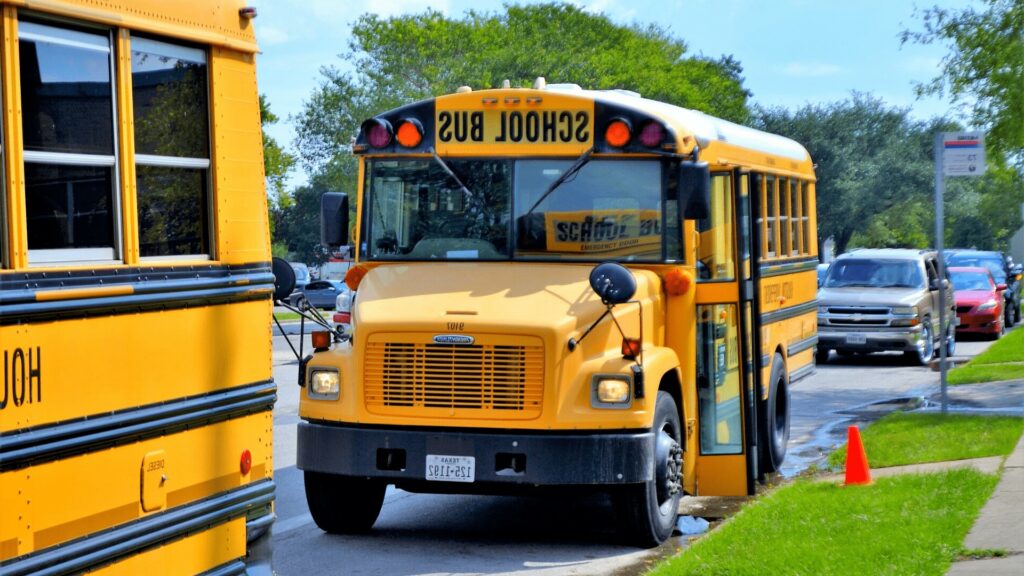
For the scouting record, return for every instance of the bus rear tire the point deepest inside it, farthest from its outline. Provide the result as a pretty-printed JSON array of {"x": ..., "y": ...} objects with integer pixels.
[
  {"x": 648, "y": 511},
  {"x": 343, "y": 504},
  {"x": 774, "y": 419}
]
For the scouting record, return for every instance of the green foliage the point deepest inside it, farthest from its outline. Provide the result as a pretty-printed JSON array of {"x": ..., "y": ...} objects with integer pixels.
[
  {"x": 870, "y": 160},
  {"x": 411, "y": 57},
  {"x": 904, "y": 438},
  {"x": 913, "y": 524},
  {"x": 276, "y": 162},
  {"x": 984, "y": 70}
]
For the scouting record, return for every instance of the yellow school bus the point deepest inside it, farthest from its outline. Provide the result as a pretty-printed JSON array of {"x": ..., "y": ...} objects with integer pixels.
[
  {"x": 559, "y": 287},
  {"x": 135, "y": 283}
]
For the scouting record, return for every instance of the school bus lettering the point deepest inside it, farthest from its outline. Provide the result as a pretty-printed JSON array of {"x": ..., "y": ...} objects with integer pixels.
[
  {"x": 23, "y": 380},
  {"x": 778, "y": 291},
  {"x": 514, "y": 126},
  {"x": 612, "y": 230}
]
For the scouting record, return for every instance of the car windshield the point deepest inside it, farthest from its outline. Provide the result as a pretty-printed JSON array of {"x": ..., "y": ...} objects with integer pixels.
[
  {"x": 993, "y": 262},
  {"x": 970, "y": 280},
  {"x": 415, "y": 210},
  {"x": 874, "y": 273}
]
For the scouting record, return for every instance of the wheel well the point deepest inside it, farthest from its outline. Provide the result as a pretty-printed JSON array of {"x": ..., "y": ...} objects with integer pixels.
[{"x": 670, "y": 383}]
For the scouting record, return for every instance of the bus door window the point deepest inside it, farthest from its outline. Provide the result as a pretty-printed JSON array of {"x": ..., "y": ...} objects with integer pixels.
[
  {"x": 67, "y": 97},
  {"x": 718, "y": 380},
  {"x": 172, "y": 148},
  {"x": 716, "y": 253}
]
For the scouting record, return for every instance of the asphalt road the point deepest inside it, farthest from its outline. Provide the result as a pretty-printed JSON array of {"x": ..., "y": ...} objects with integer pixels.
[{"x": 435, "y": 535}]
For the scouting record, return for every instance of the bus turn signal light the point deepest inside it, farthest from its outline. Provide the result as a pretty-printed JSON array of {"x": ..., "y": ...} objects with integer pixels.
[
  {"x": 321, "y": 340},
  {"x": 618, "y": 133},
  {"x": 410, "y": 133},
  {"x": 354, "y": 276},
  {"x": 630, "y": 348}
]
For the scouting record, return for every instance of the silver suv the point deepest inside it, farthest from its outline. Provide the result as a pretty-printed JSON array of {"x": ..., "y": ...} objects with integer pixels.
[{"x": 885, "y": 299}]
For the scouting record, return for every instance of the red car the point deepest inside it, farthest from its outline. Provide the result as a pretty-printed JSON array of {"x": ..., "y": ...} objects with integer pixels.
[{"x": 979, "y": 301}]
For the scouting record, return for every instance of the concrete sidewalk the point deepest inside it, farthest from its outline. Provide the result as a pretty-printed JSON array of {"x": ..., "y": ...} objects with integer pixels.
[{"x": 1000, "y": 524}]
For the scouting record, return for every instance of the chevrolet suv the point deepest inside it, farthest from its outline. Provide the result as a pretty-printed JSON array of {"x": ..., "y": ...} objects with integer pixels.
[{"x": 882, "y": 300}]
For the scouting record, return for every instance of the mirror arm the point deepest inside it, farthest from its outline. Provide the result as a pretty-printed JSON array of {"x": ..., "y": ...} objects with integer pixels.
[{"x": 573, "y": 342}]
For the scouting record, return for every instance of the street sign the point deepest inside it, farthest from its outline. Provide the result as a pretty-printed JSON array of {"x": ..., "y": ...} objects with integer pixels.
[{"x": 963, "y": 153}]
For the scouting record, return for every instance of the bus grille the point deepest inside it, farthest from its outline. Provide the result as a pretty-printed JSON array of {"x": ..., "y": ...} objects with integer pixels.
[{"x": 454, "y": 380}]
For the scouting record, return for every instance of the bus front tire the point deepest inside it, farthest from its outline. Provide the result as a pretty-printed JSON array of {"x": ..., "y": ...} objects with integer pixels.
[
  {"x": 343, "y": 504},
  {"x": 774, "y": 420},
  {"x": 648, "y": 511}
]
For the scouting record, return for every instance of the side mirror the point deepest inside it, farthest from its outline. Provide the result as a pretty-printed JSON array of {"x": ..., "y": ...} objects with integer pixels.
[
  {"x": 613, "y": 283},
  {"x": 333, "y": 219},
  {"x": 284, "y": 278},
  {"x": 1000, "y": 287},
  {"x": 695, "y": 189}
]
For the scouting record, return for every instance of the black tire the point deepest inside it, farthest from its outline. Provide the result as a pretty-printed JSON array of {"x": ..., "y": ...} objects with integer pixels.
[
  {"x": 926, "y": 350},
  {"x": 1008, "y": 315},
  {"x": 343, "y": 504},
  {"x": 821, "y": 356},
  {"x": 648, "y": 511},
  {"x": 773, "y": 419},
  {"x": 1016, "y": 313}
]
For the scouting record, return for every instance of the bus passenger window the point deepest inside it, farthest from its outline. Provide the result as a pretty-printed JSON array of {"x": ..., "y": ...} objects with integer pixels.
[
  {"x": 795, "y": 218},
  {"x": 68, "y": 131},
  {"x": 785, "y": 241},
  {"x": 769, "y": 201},
  {"x": 172, "y": 148},
  {"x": 716, "y": 256}
]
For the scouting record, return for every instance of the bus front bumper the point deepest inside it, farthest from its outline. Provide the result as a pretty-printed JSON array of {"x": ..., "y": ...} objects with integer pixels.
[{"x": 399, "y": 456}]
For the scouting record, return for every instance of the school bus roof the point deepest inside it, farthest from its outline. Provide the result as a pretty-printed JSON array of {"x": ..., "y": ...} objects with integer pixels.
[{"x": 705, "y": 128}]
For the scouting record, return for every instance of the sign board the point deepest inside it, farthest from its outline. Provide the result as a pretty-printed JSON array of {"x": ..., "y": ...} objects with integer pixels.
[{"x": 963, "y": 153}]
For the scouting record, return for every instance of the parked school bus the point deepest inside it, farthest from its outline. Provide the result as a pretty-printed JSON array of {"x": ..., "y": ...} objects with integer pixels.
[
  {"x": 563, "y": 288},
  {"x": 135, "y": 282}
]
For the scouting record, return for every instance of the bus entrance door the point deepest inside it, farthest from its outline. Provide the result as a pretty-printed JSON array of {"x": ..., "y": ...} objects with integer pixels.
[{"x": 723, "y": 344}]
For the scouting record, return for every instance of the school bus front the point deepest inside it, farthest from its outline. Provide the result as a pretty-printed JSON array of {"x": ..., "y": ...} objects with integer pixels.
[{"x": 492, "y": 351}]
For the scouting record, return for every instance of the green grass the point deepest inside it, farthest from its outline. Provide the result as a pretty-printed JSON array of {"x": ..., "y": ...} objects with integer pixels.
[
  {"x": 901, "y": 438},
  {"x": 1004, "y": 360},
  {"x": 911, "y": 524}
]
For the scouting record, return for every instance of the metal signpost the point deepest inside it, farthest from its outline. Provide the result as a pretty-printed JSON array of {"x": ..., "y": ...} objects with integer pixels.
[{"x": 956, "y": 154}]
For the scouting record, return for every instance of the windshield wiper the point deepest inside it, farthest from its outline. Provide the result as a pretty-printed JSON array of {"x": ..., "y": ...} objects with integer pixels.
[
  {"x": 576, "y": 166},
  {"x": 455, "y": 177}
]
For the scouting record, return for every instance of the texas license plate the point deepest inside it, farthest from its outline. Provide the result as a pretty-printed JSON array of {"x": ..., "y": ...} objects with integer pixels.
[
  {"x": 856, "y": 339},
  {"x": 451, "y": 468}
]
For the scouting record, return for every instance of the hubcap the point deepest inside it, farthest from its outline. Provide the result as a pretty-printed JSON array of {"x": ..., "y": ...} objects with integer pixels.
[
  {"x": 925, "y": 346},
  {"x": 669, "y": 466}
]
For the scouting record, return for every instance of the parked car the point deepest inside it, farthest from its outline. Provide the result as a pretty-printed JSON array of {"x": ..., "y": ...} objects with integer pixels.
[
  {"x": 979, "y": 302},
  {"x": 301, "y": 274},
  {"x": 319, "y": 294},
  {"x": 885, "y": 299},
  {"x": 1003, "y": 272},
  {"x": 822, "y": 271}
]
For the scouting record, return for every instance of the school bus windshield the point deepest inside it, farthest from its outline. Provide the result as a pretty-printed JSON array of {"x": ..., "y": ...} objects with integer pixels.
[{"x": 416, "y": 210}]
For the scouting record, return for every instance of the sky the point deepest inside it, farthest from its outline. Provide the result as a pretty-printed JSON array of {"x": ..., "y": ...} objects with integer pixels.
[{"x": 793, "y": 52}]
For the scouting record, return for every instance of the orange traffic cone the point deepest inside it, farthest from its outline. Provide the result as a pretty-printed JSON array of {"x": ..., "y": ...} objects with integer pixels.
[{"x": 857, "y": 470}]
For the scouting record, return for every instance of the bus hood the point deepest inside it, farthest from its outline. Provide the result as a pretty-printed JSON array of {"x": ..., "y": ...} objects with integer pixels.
[{"x": 501, "y": 298}]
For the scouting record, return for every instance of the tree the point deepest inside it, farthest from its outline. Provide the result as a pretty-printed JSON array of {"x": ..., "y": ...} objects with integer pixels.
[
  {"x": 407, "y": 58},
  {"x": 984, "y": 71},
  {"x": 276, "y": 162},
  {"x": 869, "y": 159}
]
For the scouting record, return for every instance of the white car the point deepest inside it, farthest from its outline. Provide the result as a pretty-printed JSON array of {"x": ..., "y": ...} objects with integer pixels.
[{"x": 343, "y": 310}]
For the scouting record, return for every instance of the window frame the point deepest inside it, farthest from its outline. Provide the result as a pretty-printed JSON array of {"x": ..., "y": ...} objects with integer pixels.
[
  {"x": 114, "y": 254},
  {"x": 182, "y": 51}
]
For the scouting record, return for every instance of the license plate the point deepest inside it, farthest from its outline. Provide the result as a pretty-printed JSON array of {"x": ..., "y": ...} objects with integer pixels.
[
  {"x": 856, "y": 339},
  {"x": 451, "y": 468}
]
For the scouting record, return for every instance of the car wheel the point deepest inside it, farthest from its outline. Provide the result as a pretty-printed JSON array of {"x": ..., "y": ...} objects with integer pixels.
[
  {"x": 1008, "y": 316},
  {"x": 821, "y": 356},
  {"x": 925, "y": 345},
  {"x": 649, "y": 510},
  {"x": 950, "y": 341},
  {"x": 773, "y": 419},
  {"x": 343, "y": 504},
  {"x": 1016, "y": 313}
]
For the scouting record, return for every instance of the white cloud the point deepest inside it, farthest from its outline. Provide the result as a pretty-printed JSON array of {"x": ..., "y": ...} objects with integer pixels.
[
  {"x": 810, "y": 69},
  {"x": 387, "y": 8},
  {"x": 271, "y": 35}
]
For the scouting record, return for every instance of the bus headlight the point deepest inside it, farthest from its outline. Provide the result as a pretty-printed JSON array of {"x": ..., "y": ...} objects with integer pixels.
[
  {"x": 611, "y": 391},
  {"x": 324, "y": 384}
]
